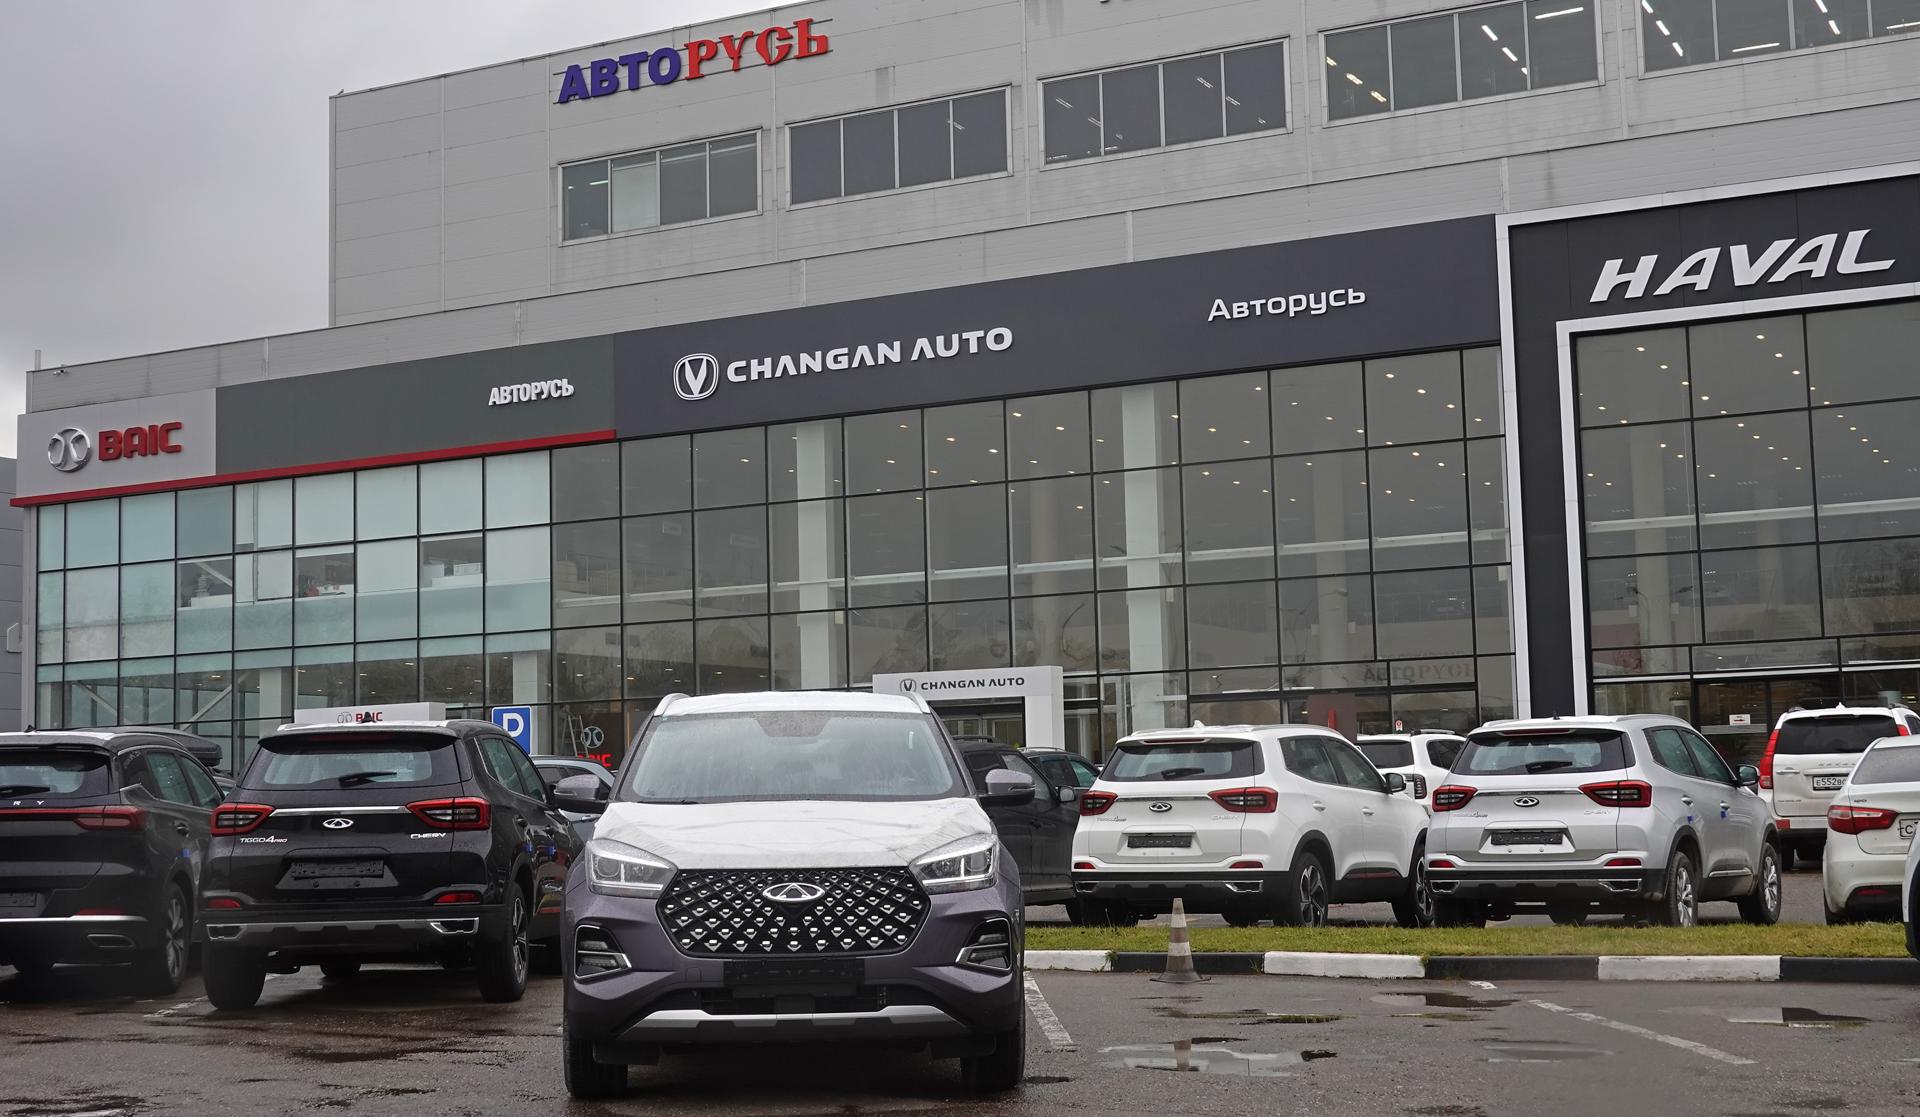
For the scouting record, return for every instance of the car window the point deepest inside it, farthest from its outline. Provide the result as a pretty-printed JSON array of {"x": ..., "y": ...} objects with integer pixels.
[
  {"x": 169, "y": 782},
  {"x": 552, "y": 774},
  {"x": 205, "y": 792},
  {"x": 1388, "y": 754},
  {"x": 1354, "y": 769},
  {"x": 524, "y": 776},
  {"x": 1913, "y": 725},
  {"x": 136, "y": 772},
  {"x": 1670, "y": 751},
  {"x": 1014, "y": 762},
  {"x": 1443, "y": 751},
  {"x": 1838, "y": 733},
  {"x": 1526, "y": 752},
  {"x": 1889, "y": 764},
  {"x": 357, "y": 759},
  {"x": 787, "y": 754},
  {"x": 55, "y": 773},
  {"x": 1183, "y": 760},
  {"x": 1708, "y": 759},
  {"x": 1307, "y": 758},
  {"x": 499, "y": 757},
  {"x": 1066, "y": 771}
]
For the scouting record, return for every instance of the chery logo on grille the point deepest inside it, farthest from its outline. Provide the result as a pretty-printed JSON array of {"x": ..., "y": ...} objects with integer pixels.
[{"x": 794, "y": 892}]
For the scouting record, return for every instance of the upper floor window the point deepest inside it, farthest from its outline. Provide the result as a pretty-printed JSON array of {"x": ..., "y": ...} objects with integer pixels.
[
  {"x": 1460, "y": 56},
  {"x": 1185, "y": 100},
  {"x": 665, "y": 186},
  {"x": 1689, "y": 32},
  {"x": 938, "y": 141}
]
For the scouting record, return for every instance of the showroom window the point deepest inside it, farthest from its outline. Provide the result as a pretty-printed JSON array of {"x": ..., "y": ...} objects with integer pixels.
[
  {"x": 1163, "y": 104},
  {"x": 1460, "y": 56},
  {"x": 665, "y": 186},
  {"x": 1675, "y": 33},
  {"x": 912, "y": 145}
]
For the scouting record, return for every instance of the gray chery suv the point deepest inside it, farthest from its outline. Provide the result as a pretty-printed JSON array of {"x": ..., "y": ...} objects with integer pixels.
[{"x": 794, "y": 867}]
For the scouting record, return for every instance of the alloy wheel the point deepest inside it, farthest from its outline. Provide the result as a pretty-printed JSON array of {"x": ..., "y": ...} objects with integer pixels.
[
  {"x": 176, "y": 931},
  {"x": 1686, "y": 907},
  {"x": 520, "y": 941},
  {"x": 1422, "y": 892},
  {"x": 1312, "y": 895},
  {"x": 1770, "y": 880}
]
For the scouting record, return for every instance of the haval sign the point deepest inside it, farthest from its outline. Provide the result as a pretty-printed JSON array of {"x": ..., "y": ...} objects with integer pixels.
[{"x": 1748, "y": 265}]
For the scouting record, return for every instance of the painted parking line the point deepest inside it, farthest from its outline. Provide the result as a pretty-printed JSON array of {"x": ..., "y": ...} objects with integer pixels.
[
  {"x": 1700, "y": 1049},
  {"x": 1056, "y": 1032},
  {"x": 1483, "y": 985}
]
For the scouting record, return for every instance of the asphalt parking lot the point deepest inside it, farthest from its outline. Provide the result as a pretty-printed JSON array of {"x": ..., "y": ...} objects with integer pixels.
[{"x": 407, "y": 1041}]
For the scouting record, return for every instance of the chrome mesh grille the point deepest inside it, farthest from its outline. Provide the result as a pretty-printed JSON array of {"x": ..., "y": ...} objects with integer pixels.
[{"x": 725, "y": 914}]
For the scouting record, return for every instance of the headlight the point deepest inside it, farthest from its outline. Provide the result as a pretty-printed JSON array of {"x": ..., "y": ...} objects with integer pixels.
[
  {"x": 616, "y": 869},
  {"x": 959, "y": 867}
]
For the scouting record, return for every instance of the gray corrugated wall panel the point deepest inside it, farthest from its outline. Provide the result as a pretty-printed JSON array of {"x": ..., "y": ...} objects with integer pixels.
[
  {"x": 386, "y": 252},
  {"x": 881, "y": 271},
  {"x": 391, "y": 140},
  {"x": 476, "y": 161},
  {"x": 499, "y": 277},
  {"x": 393, "y": 213},
  {"x": 435, "y": 335},
  {"x": 1090, "y": 242},
  {"x": 635, "y": 306},
  {"x": 708, "y": 246},
  {"x": 910, "y": 215},
  {"x": 514, "y": 116},
  {"x": 635, "y": 121},
  {"x": 526, "y": 78},
  {"x": 241, "y": 362},
  {"x": 386, "y": 314},
  {"x": 396, "y": 102},
  {"x": 417, "y": 286},
  {"x": 488, "y": 236},
  {"x": 503, "y": 194},
  {"x": 184, "y": 370},
  {"x": 365, "y": 181}
]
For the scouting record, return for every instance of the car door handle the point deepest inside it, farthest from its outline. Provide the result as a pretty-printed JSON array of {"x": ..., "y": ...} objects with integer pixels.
[
  {"x": 1724, "y": 805},
  {"x": 1687, "y": 799},
  {"x": 1318, "y": 805},
  {"x": 1366, "y": 810},
  {"x": 520, "y": 822},
  {"x": 182, "y": 827}
]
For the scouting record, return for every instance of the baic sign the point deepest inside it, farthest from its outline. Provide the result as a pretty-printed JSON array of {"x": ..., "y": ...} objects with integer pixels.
[
  {"x": 603, "y": 77},
  {"x": 71, "y": 448}
]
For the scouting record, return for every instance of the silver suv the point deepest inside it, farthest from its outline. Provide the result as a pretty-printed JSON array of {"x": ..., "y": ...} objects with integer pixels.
[{"x": 1635, "y": 814}]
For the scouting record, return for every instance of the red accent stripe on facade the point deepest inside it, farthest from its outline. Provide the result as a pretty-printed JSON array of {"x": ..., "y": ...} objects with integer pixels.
[{"x": 514, "y": 446}]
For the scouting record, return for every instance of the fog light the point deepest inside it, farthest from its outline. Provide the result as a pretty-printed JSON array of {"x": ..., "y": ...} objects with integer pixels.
[
  {"x": 990, "y": 948},
  {"x": 458, "y": 898},
  {"x": 595, "y": 952},
  {"x": 223, "y": 903},
  {"x": 1623, "y": 863},
  {"x": 1080, "y": 866},
  {"x": 1440, "y": 863},
  {"x": 1245, "y": 865}
]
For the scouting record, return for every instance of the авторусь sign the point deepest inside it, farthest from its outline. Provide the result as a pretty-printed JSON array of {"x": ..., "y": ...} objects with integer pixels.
[{"x": 666, "y": 65}]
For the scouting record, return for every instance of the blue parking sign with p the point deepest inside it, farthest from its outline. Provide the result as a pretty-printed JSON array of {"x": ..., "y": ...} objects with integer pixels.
[{"x": 517, "y": 721}]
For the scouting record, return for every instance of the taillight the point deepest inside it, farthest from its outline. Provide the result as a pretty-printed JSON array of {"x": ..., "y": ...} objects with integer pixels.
[
  {"x": 1766, "y": 759},
  {"x": 1247, "y": 800},
  {"x": 1453, "y": 797},
  {"x": 1620, "y": 793},
  {"x": 111, "y": 818},
  {"x": 1847, "y": 819},
  {"x": 1096, "y": 802},
  {"x": 238, "y": 818},
  {"x": 1246, "y": 865},
  {"x": 223, "y": 903},
  {"x": 466, "y": 812},
  {"x": 1441, "y": 863},
  {"x": 1900, "y": 730},
  {"x": 457, "y": 898},
  {"x": 1623, "y": 863},
  {"x": 1419, "y": 786}
]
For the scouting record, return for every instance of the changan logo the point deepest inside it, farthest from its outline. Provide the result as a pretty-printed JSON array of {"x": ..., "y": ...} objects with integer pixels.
[{"x": 696, "y": 375}]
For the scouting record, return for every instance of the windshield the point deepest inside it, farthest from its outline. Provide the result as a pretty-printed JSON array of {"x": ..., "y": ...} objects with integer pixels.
[
  {"x": 1848, "y": 733},
  {"x": 1525, "y": 754},
  {"x": 792, "y": 754},
  {"x": 54, "y": 773},
  {"x": 1182, "y": 760},
  {"x": 1388, "y": 754},
  {"x": 1896, "y": 764},
  {"x": 319, "y": 762}
]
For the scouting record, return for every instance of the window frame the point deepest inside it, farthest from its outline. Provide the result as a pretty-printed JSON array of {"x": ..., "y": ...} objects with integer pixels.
[
  {"x": 1326, "y": 102},
  {"x": 1285, "y": 42},
  {"x": 759, "y": 188},
  {"x": 1791, "y": 51},
  {"x": 786, "y": 148}
]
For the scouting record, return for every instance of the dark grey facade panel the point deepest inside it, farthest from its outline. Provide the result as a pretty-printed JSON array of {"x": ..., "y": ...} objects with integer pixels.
[{"x": 1597, "y": 266}]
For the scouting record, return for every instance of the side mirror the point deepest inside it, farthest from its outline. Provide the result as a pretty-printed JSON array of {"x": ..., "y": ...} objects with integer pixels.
[
  {"x": 1748, "y": 777},
  {"x": 1396, "y": 783},
  {"x": 582, "y": 794},
  {"x": 1070, "y": 794},
  {"x": 1007, "y": 789}
]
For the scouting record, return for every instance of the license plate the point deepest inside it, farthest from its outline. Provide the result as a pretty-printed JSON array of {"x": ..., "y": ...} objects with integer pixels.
[
  {"x": 1528, "y": 837},
  {"x": 16, "y": 902},
  {"x": 1828, "y": 783},
  {"x": 795, "y": 971},
  {"x": 1159, "y": 841},
  {"x": 1907, "y": 827},
  {"x": 330, "y": 870}
]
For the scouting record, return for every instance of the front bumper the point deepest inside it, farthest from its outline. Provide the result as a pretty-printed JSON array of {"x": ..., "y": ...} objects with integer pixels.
[
  {"x": 74, "y": 938},
  {"x": 1200, "y": 890},
  {"x": 355, "y": 933},
  {"x": 1546, "y": 884},
  {"x": 666, "y": 999}
]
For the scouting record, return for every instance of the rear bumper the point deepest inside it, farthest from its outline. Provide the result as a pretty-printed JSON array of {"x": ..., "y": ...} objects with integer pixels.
[
  {"x": 1202, "y": 890},
  {"x": 351, "y": 933},
  {"x": 74, "y": 938},
  {"x": 1801, "y": 831},
  {"x": 1547, "y": 885},
  {"x": 1847, "y": 870}
]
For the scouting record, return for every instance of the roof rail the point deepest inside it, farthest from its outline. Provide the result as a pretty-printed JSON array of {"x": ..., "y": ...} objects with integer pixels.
[
  {"x": 669, "y": 700},
  {"x": 920, "y": 703}
]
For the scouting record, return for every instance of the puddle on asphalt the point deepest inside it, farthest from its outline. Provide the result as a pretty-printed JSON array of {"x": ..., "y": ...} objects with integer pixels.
[
  {"x": 1795, "y": 1018},
  {"x": 1253, "y": 1016},
  {"x": 1187, "y": 1056},
  {"x": 1440, "y": 1000},
  {"x": 1540, "y": 1051}
]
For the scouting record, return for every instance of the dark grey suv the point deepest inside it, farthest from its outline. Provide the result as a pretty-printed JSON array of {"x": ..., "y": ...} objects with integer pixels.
[{"x": 794, "y": 867}]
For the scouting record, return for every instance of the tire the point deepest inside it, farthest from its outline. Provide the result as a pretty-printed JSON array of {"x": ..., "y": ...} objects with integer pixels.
[
  {"x": 1003, "y": 1069},
  {"x": 1415, "y": 909},
  {"x": 1836, "y": 918},
  {"x": 587, "y": 1078},
  {"x": 160, "y": 968},
  {"x": 1305, "y": 902},
  {"x": 234, "y": 976},
  {"x": 501, "y": 966},
  {"x": 340, "y": 969},
  {"x": 32, "y": 967},
  {"x": 1681, "y": 907},
  {"x": 1241, "y": 918},
  {"x": 1762, "y": 908},
  {"x": 1106, "y": 913},
  {"x": 547, "y": 957},
  {"x": 1786, "y": 859},
  {"x": 1568, "y": 915},
  {"x": 1076, "y": 913},
  {"x": 1458, "y": 913}
]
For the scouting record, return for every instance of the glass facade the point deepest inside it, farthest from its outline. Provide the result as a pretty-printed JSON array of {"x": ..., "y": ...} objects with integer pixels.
[
  {"x": 1225, "y": 548},
  {"x": 1751, "y": 507}
]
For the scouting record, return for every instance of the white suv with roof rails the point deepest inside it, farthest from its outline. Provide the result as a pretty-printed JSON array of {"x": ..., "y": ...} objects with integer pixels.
[
  {"x": 1808, "y": 757},
  {"x": 1633, "y": 813},
  {"x": 1421, "y": 757},
  {"x": 1248, "y": 821}
]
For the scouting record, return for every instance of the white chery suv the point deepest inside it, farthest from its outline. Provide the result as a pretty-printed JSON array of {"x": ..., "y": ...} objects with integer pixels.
[
  {"x": 1251, "y": 822},
  {"x": 1421, "y": 757}
]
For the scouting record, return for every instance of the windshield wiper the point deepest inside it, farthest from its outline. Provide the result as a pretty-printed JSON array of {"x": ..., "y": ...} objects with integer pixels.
[
  {"x": 1180, "y": 773},
  {"x": 1546, "y": 765},
  {"x": 23, "y": 789},
  {"x": 355, "y": 779}
]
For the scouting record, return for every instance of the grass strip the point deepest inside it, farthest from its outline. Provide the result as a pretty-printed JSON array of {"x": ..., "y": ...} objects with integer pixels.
[{"x": 1801, "y": 940}]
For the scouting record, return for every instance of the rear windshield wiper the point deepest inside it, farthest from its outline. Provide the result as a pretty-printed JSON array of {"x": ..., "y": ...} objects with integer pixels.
[
  {"x": 23, "y": 789},
  {"x": 1546, "y": 765},
  {"x": 354, "y": 779},
  {"x": 1180, "y": 773}
]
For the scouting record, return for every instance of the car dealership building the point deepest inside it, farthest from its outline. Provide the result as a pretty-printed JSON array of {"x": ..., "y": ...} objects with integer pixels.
[{"x": 1375, "y": 362}]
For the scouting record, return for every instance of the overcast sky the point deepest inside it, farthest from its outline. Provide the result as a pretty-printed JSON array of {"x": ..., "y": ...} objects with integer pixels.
[{"x": 163, "y": 163}]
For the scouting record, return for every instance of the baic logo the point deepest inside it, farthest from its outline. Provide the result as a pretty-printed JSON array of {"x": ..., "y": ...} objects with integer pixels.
[
  {"x": 69, "y": 449},
  {"x": 696, "y": 375}
]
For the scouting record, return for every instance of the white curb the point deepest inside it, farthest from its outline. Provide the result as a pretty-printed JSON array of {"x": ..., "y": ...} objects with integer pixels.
[
  {"x": 1088, "y": 961},
  {"x": 1739, "y": 967},
  {"x": 1304, "y": 964}
]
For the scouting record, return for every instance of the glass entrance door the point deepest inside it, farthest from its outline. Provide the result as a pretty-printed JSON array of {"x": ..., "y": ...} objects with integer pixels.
[
  {"x": 1009, "y": 727},
  {"x": 1738, "y": 714}
]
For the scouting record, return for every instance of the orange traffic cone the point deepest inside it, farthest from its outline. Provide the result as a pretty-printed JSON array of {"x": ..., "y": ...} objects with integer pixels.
[{"x": 1179, "y": 969}]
